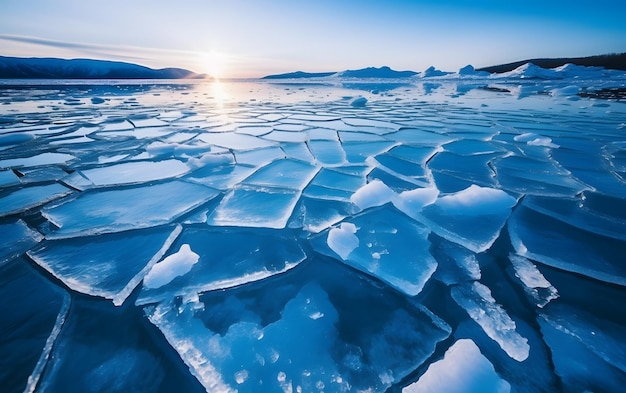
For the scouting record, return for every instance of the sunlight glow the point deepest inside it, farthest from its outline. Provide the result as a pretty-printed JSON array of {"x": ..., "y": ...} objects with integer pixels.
[{"x": 215, "y": 64}]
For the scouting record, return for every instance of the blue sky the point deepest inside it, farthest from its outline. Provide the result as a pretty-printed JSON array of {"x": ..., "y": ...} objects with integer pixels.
[{"x": 237, "y": 38}]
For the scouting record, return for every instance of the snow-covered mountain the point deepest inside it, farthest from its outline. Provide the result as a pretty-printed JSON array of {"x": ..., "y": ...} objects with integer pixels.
[
  {"x": 533, "y": 68},
  {"x": 53, "y": 68}
]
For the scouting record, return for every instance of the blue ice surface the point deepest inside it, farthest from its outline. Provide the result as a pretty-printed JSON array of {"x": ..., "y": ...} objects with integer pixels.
[{"x": 457, "y": 231}]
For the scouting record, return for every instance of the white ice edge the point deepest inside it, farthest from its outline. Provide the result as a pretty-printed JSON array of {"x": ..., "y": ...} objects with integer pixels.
[
  {"x": 214, "y": 286},
  {"x": 33, "y": 379},
  {"x": 121, "y": 296}
]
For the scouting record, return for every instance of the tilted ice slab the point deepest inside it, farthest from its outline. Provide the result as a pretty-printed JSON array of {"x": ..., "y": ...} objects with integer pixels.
[
  {"x": 110, "y": 211},
  {"x": 535, "y": 284},
  {"x": 590, "y": 211},
  {"x": 31, "y": 197},
  {"x": 477, "y": 300},
  {"x": 16, "y": 238},
  {"x": 108, "y": 266},
  {"x": 602, "y": 337},
  {"x": 463, "y": 369},
  {"x": 569, "y": 248},
  {"x": 455, "y": 263},
  {"x": 135, "y": 172},
  {"x": 578, "y": 367},
  {"x": 226, "y": 258},
  {"x": 472, "y": 217},
  {"x": 543, "y": 176},
  {"x": 37, "y": 310},
  {"x": 298, "y": 340},
  {"x": 8, "y": 178},
  {"x": 376, "y": 242}
]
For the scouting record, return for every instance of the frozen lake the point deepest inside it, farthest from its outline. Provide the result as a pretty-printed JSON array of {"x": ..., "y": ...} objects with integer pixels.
[{"x": 313, "y": 236}]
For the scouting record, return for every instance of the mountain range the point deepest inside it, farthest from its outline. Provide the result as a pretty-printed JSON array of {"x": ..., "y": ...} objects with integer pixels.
[
  {"x": 609, "y": 61},
  {"x": 52, "y": 68}
]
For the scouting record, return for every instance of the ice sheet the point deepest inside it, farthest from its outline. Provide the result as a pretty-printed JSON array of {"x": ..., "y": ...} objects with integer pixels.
[
  {"x": 110, "y": 265},
  {"x": 246, "y": 342},
  {"x": 208, "y": 259},
  {"x": 31, "y": 197},
  {"x": 375, "y": 242},
  {"x": 111, "y": 211}
]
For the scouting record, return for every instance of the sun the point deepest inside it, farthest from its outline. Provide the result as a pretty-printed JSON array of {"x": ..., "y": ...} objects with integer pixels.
[{"x": 214, "y": 64}]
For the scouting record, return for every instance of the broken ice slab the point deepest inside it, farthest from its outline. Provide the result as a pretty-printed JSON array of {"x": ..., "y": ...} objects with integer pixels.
[
  {"x": 255, "y": 207},
  {"x": 111, "y": 211},
  {"x": 455, "y": 264},
  {"x": 535, "y": 284},
  {"x": 314, "y": 215},
  {"x": 223, "y": 177},
  {"x": 472, "y": 217},
  {"x": 104, "y": 348},
  {"x": 462, "y": 369},
  {"x": 248, "y": 341},
  {"x": 569, "y": 248},
  {"x": 480, "y": 305},
  {"x": 30, "y": 197},
  {"x": 400, "y": 167},
  {"x": 600, "y": 214},
  {"x": 473, "y": 168},
  {"x": 332, "y": 184},
  {"x": 135, "y": 172},
  {"x": 8, "y": 178},
  {"x": 16, "y": 238},
  {"x": 531, "y": 176},
  {"x": 601, "y": 336},
  {"x": 327, "y": 152},
  {"x": 37, "y": 160},
  {"x": 375, "y": 242},
  {"x": 230, "y": 140},
  {"x": 109, "y": 266},
  {"x": 414, "y": 136},
  {"x": 225, "y": 258},
  {"x": 287, "y": 173},
  {"x": 579, "y": 368},
  {"x": 358, "y": 152},
  {"x": 33, "y": 312}
]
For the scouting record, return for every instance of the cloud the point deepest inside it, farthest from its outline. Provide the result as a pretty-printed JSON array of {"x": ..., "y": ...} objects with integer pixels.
[{"x": 36, "y": 46}]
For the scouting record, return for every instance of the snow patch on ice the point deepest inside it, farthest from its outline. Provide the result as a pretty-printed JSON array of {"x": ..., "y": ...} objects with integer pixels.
[
  {"x": 342, "y": 240},
  {"x": 175, "y": 265}
]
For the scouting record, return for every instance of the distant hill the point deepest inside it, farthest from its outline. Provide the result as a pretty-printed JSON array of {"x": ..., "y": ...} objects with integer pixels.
[
  {"x": 299, "y": 74},
  {"x": 615, "y": 61},
  {"x": 373, "y": 72},
  {"x": 52, "y": 68},
  {"x": 369, "y": 72}
]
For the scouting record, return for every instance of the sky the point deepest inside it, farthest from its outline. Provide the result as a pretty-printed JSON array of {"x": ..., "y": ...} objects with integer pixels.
[{"x": 253, "y": 38}]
